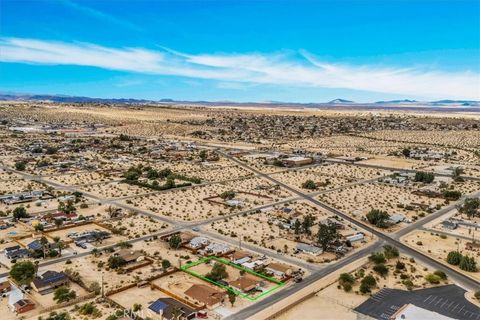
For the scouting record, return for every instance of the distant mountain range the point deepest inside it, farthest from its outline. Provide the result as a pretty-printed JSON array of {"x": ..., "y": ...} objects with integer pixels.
[{"x": 335, "y": 102}]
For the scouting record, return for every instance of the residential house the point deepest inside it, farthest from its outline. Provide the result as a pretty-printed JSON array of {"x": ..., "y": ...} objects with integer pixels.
[
  {"x": 245, "y": 284},
  {"x": 355, "y": 237},
  {"x": 198, "y": 242},
  {"x": 49, "y": 281},
  {"x": 205, "y": 295},
  {"x": 279, "y": 270},
  {"x": 130, "y": 256},
  {"x": 165, "y": 307},
  {"x": 5, "y": 286},
  {"x": 448, "y": 224},
  {"x": 217, "y": 248},
  {"x": 23, "y": 305},
  {"x": 310, "y": 249},
  {"x": 240, "y": 257}
]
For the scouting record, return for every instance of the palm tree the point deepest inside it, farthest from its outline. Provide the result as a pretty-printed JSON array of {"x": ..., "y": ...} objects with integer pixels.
[
  {"x": 176, "y": 312},
  {"x": 60, "y": 245},
  {"x": 44, "y": 242}
]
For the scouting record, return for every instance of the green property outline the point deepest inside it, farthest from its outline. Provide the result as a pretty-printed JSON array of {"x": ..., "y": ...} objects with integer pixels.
[{"x": 186, "y": 268}]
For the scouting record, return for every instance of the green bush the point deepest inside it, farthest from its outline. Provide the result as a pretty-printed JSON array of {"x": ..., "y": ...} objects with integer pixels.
[{"x": 433, "y": 278}]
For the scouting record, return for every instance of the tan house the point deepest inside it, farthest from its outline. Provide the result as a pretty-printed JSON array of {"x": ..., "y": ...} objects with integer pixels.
[
  {"x": 245, "y": 284},
  {"x": 130, "y": 256},
  {"x": 205, "y": 295},
  {"x": 279, "y": 270}
]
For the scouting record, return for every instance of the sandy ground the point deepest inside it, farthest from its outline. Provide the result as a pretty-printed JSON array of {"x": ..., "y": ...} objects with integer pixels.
[
  {"x": 360, "y": 199},
  {"x": 268, "y": 232},
  {"x": 439, "y": 247},
  {"x": 189, "y": 204}
]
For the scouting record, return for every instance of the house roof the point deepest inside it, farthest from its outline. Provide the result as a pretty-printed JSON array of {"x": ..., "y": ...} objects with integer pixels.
[
  {"x": 308, "y": 248},
  {"x": 165, "y": 306},
  {"x": 22, "y": 303},
  {"x": 278, "y": 267},
  {"x": 35, "y": 245},
  {"x": 244, "y": 283},
  {"x": 237, "y": 255},
  {"x": 205, "y": 294},
  {"x": 129, "y": 255},
  {"x": 158, "y": 306},
  {"x": 5, "y": 285},
  {"x": 48, "y": 278}
]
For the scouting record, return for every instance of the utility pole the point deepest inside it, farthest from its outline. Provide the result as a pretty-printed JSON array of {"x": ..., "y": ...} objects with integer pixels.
[{"x": 102, "y": 287}]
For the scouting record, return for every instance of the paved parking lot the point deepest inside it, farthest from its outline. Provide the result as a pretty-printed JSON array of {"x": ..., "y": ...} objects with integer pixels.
[{"x": 447, "y": 300}]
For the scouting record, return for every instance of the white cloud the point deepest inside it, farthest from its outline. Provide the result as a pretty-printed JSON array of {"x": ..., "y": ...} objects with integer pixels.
[
  {"x": 100, "y": 15},
  {"x": 255, "y": 68}
]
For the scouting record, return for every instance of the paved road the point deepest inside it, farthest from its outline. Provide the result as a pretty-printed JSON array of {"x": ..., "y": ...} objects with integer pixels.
[
  {"x": 417, "y": 224},
  {"x": 286, "y": 292},
  {"x": 366, "y": 165},
  {"x": 454, "y": 274}
]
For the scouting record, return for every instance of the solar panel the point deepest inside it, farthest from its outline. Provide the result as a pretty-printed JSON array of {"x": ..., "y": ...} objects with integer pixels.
[{"x": 157, "y": 306}]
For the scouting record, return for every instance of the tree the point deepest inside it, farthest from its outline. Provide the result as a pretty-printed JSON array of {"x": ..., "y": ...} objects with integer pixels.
[
  {"x": 44, "y": 242},
  {"x": 309, "y": 184},
  {"x": 232, "y": 297},
  {"x": 227, "y": 195},
  {"x": 165, "y": 264},
  {"x": 133, "y": 173},
  {"x": 432, "y": 278},
  {"x": 20, "y": 213},
  {"x": 346, "y": 280},
  {"x": 425, "y": 177},
  {"x": 377, "y": 258},
  {"x": 452, "y": 195},
  {"x": 218, "y": 272},
  {"x": 68, "y": 207},
  {"x": 297, "y": 226},
  {"x": 327, "y": 233},
  {"x": 175, "y": 241},
  {"x": 63, "y": 294},
  {"x": 390, "y": 252},
  {"x": 203, "y": 155},
  {"x": 454, "y": 257},
  {"x": 381, "y": 269},
  {"x": 60, "y": 244},
  {"x": 23, "y": 272},
  {"x": 308, "y": 223},
  {"x": 115, "y": 262},
  {"x": 95, "y": 287},
  {"x": 367, "y": 284},
  {"x": 470, "y": 207},
  {"x": 441, "y": 274},
  {"x": 20, "y": 165},
  {"x": 406, "y": 152},
  {"x": 468, "y": 264},
  {"x": 124, "y": 245},
  {"x": 176, "y": 312},
  {"x": 58, "y": 223},
  {"x": 378, "y": 218},
  {"x": 58, "y": 316}
]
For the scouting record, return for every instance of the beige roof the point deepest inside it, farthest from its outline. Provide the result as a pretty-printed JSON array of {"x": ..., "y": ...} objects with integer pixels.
[
  {"x": 129, "y": 255},
  {"x": 240, "y": 254},
  {"x": 205, "y": 294},
  {"x": 244, "y": 283},
  {"x": 279, "y": 267}
]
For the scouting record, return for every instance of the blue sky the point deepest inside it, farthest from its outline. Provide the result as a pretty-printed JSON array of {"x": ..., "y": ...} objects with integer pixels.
[{"x": 304, "y": 51}]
